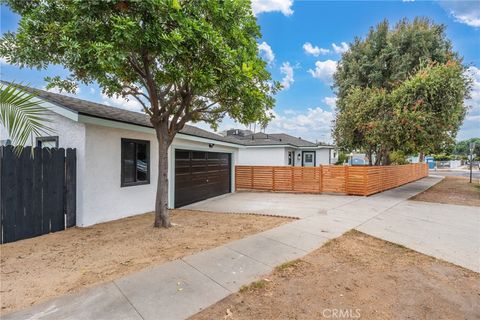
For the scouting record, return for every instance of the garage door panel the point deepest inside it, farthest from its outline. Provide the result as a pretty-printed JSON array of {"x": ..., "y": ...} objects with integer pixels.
[{"x": 200, "y": 175}]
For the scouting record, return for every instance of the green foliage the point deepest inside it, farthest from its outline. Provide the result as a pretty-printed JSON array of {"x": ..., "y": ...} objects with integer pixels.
[
  {"x": 400, "y": 89},
  {"x": 398, "y": 158},
  {"x": 183, "y": 60},
  {"x": 462, "y": 147},
  {"x": 442, "y": 157},
  {"x": 342, "y": 158},
  {"x": 22, "y": 115}
]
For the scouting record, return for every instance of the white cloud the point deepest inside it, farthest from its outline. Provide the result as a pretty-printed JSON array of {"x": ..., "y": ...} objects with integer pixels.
[
  {"x": 330, "y": 101},
  {"x": 324, "y": 70},
  {"x": 92, "y": 90},
  {"x": 284, "y": 6},
  {"x": 117, "y": 101},
  {"x": 343, "y": 47},
  {"x": 287, "y": 70},
  {"x": 471, "y": 124},
  {"x": 266, "y": 52},
  {"x": 467, "y": 12},
  {"x": 474, "y": 101},
  {"x": 314, "y": 50},
  {"x": 312, "y": 124}
]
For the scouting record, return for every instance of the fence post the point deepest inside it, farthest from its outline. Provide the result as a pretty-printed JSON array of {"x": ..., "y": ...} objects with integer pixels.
[
  {"x": 346, "y": 179},
  {"x": 273, "y": 179},
  {"x": 70, "y": 204},
  {"x": 251, "y": 177},
  {"x": 292, "y": 176},
  {"x": 365, "y": 181},
  {"x": 321, "y": 178}
]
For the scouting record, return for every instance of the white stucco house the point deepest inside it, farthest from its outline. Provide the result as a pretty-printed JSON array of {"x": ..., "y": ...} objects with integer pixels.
[{"x": 117, "y": 158}]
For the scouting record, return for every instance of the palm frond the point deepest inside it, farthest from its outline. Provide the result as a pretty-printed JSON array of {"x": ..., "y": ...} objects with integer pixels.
[{"x": 22, "y": 115}]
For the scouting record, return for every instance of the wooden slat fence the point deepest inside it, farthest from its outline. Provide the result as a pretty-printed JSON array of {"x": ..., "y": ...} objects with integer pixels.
[
  {"x": 354, "y": 180},
  {"x": 37, "y": 193}
]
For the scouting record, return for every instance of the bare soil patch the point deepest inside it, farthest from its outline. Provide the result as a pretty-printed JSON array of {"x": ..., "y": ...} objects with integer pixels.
[
  {"x": 452, "y": 190},
  {"x": 34, "y": 270},
  {"x": 359, "y": 277}
]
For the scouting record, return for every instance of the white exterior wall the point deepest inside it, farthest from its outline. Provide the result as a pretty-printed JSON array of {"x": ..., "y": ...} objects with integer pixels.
[
  {"x": 278, "y": 156},
  {"x": 262, "y": 156},
  {"x": 322, "y": 157},
  {"x": 104, "y": 198}
]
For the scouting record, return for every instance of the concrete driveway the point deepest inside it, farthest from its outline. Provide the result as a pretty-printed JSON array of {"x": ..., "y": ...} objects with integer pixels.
[{"x": 283, "y": 204}]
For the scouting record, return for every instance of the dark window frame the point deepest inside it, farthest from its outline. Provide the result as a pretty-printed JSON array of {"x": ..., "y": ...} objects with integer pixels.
[
  {"x": 122, "y": 177},
  {"x": 314, "y": 157},
  {"x": 46, "y": 138}
]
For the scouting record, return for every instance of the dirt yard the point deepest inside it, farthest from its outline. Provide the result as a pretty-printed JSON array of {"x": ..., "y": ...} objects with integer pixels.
[
  {"x": 452, "y": 190},
  {"x": 357, "y": 277},
  {"x": 37, "y": 269}
]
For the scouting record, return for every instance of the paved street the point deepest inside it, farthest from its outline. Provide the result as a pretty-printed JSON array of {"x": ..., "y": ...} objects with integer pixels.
[{"x": 178, "y": 289}]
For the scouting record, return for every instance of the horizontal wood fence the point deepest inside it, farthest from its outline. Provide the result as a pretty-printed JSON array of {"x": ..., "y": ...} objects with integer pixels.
[
  {"x": 354, "y": 180},
  {"x": 37, "y": 194}
]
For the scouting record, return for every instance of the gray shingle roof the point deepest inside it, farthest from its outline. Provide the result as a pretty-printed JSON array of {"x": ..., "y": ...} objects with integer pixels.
[
  {"x": 98, "y": 110},
  {"x": 261, "y": 138}
]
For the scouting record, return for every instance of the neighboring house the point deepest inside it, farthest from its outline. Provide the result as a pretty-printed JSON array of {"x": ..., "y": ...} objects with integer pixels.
[{"x": 279, "y": 149}]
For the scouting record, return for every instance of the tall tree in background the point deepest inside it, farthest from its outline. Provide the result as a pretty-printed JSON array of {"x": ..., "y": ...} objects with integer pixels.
[
  {"x": 384, "y": 102},
  {"x": 181, "y": 60}
]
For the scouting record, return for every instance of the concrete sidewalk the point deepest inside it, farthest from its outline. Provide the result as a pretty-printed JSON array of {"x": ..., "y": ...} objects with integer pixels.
[
  {"x": 181, "y": 288},
  {"x": 447, "y": 232}
]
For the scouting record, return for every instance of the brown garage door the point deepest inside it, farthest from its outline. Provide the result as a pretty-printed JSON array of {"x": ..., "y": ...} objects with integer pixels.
[{"x": 200, "y": 175}]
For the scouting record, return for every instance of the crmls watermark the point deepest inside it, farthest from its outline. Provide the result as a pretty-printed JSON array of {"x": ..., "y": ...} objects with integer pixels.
[{"x": 341, "y": 313}]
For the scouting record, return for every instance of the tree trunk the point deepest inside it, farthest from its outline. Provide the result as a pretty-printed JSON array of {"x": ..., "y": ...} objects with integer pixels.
[
  {"x": 162, "y": 217},
  {"x": 369, "y": 156},
  {"x": 421, "y": 157},
  {"x": 386, "y": 158}
]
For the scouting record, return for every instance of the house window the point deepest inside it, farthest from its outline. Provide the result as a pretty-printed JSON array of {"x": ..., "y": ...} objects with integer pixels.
[
  {"x": 135, "y": 162},
  {"x": 47, "y": 142}
]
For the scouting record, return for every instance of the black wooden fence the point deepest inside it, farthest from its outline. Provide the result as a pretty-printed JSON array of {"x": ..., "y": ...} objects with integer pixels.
[{"x": 37, "y": 192}]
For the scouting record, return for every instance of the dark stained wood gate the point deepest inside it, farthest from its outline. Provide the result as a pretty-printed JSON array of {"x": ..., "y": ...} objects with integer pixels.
[
  {"x": 37, "y": 194},
  {"x": 200, "y": 175}
]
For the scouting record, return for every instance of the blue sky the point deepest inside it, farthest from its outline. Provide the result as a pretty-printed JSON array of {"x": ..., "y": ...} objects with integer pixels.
[{"x": 302, "y": 40}]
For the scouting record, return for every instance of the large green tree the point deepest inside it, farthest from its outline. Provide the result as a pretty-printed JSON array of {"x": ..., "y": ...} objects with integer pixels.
[
  {"x": 400, "y": 88},
  {"x": 194, "y": 60}
]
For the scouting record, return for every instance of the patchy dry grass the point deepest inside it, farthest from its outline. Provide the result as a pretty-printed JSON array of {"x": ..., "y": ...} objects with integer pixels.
[
  {"x": 357, "y": 275},
  {"x": 452, "y": 190}
]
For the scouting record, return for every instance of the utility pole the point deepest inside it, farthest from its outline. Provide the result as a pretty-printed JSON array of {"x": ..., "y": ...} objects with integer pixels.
[{"x": 471, "y": 147}]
